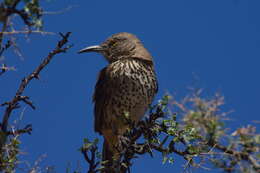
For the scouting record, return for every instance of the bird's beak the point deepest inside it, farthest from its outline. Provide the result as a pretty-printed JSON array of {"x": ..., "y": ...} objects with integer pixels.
[{"x": 96, "y": 48}]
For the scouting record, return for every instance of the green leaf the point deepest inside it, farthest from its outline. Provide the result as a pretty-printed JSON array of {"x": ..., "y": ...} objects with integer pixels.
[
  {"x": 171, "y": 160},
  {"x": 164, "y": 159}
]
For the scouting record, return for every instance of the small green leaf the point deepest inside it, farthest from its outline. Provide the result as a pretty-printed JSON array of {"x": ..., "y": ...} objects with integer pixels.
[
  {"x": 164, "y": 159},
  {"x": 171, "y": 160}
]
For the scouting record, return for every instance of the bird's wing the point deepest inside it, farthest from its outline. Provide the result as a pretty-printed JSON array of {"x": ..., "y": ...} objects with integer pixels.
[{"x": 100, "y": 98}]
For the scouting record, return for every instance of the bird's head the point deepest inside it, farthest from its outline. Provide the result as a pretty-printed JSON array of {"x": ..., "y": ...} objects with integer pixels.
[{"x": 120, "y": 46}]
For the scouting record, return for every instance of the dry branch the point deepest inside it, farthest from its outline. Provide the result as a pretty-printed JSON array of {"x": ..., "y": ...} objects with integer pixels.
[
  {"x": 28, "y": 32},
  {"x": 14, "y": 103}
]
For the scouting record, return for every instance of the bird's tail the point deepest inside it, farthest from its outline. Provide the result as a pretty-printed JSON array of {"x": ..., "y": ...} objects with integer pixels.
[
  {"x": 108, "y": 152},
  {"x": 109, "y": 157}
]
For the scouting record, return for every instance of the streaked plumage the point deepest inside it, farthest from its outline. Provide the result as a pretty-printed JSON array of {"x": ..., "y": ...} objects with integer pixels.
[{"x": 127, "y": 85}]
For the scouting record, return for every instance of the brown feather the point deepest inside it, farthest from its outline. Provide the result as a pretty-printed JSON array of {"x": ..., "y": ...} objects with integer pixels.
[{"x": 126, "y": 86}]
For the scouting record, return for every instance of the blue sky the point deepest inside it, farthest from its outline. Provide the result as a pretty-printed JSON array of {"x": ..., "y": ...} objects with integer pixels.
[{"x": 217, "y": 41}]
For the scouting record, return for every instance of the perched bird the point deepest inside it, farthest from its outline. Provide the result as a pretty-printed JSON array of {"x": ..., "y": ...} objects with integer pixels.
[{"x": 126, "y": 86}]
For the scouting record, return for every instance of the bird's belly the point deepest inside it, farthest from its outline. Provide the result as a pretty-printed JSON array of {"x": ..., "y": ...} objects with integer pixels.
[
  {"x": 131, "y": 98},
  {"x": 132, "y": 86}
]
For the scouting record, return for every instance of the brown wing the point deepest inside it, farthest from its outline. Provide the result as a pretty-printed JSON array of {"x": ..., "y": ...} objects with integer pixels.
[{"x": 100, "y": 98}]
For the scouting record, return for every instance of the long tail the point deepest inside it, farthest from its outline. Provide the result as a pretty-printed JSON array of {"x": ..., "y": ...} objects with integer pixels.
[
  {"x": 108, "y": 157},
  {"x": 111, "y": 156},
  {"x": 107, "y": 154}
]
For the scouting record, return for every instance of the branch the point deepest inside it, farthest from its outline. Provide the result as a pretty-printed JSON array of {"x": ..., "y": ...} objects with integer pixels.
[
  {"x": 26, "y": 129},
  {"x": 198, "y": 138},
  {"x": 21, "y": 13},
  {"x": 239, "y": 155},
  {"x": 5, "y": 47},
  {"x": 4, "y": 68},
  {"x": 15, "y": 3},
  {"x": 89, "y": 151},
  {"x": 60, "y": 11},
  {"x": 6, "y": 12},
  {"x": 14, "y": 103},
  {"x": 27, "y": 32}
]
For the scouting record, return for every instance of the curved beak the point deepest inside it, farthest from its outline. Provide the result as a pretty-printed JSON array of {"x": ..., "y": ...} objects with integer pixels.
[{"x": 95, "y": 48}]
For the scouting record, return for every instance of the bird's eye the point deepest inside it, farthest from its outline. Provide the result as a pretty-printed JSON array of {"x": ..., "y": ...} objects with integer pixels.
[{"x": 114, "y": 44}]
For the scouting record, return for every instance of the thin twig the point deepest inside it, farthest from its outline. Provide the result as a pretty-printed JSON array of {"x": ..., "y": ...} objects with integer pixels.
[
  {"x": 28, "y": 32},
  {"x": 60, "y": 11},
  {"x": 26, "y": 129},
  {"x": 90, "y": 159},
  {"x": 242, "y": 155},
  {"x": 15, "y": 3}
]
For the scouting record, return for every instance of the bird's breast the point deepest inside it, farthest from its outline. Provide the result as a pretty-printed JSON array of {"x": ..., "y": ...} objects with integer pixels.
[{"x": 134, "y": 86}]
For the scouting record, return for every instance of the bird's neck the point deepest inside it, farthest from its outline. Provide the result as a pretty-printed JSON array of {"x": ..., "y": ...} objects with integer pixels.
[{"x": 128, "y": 65}]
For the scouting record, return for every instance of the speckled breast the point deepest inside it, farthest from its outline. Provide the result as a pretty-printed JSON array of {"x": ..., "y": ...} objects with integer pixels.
[{"x": 133, "y": 86}]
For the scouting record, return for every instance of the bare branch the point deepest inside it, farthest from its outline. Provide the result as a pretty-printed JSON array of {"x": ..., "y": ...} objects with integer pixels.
[
  {"x": 28, "y": 32},
  {"x": 60, "y": 11},
  {"x": 35, "y": 74},
  {"x": 26, "y": 129},
  {"x": 89, "y": 151},
  {"x": 15, "y": 3}
]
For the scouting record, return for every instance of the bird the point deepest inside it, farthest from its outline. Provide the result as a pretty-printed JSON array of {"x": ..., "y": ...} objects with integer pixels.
[{"x": 126, "y": 86}]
